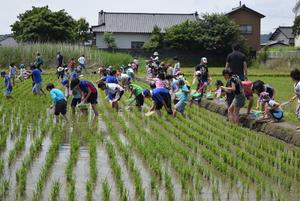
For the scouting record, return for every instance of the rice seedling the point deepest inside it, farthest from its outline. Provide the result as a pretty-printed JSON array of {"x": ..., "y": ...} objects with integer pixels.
[
  {"x": 106, "y": 190},
  {"x": 55, "y": 190}
]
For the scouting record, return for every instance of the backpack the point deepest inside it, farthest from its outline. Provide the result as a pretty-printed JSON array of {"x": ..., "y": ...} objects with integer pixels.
[{"x": 238, "y": 83}]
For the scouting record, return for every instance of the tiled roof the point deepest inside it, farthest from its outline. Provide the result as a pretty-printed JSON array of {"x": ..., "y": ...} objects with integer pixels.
[
  {"x": 3, "y": 37},
  {"x": 139, "y": 22},
  {"x": 245, "y": 8},
  {"x": 286, "y": 31}
]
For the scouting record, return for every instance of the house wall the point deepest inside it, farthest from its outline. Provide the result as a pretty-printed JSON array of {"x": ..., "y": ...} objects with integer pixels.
[
  {"x": 246, "y": 18},
  {"x": 282, "y": 37},
  {"x": 9, "y": 42},
  {"x": 123, "y": 40}
]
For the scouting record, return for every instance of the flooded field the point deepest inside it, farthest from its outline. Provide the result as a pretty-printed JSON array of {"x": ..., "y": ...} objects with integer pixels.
[{"x": 124, "y": 155}]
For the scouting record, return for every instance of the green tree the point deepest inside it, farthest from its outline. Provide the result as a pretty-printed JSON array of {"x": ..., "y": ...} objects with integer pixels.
[
  {"x": 42, "y": 25},
  {"x": 214, "y": 32},
  {"x": 82, "y": 33},
  {"x": 296, "y": 26},
  {"x": 155, "y": 41},
  {"x": 109, "y": 39}
]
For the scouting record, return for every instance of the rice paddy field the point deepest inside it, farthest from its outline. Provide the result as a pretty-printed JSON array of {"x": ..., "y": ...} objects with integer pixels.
[{"x": 124, "y": 155}]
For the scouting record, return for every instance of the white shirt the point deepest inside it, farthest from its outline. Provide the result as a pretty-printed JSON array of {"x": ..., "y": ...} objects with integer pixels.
[
  {"x": 136, "y": 61},
  {"x": 297, "y": 90},
  {"x": 81, "y": 60},
  {"x": 113, "y": 88},
  {"x": 176, "y": 68}
]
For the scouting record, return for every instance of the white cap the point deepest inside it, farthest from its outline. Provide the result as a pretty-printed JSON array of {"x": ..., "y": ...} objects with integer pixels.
[
  {"x": 59, "y": 69},
  {"x": 204, "y": 59},
  {"x": 155, "y": 53}
]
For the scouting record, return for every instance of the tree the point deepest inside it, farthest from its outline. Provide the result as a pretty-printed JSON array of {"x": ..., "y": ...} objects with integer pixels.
[
  {"x": 42, "y": 25},
  {"x": 82, "y": 30},
  {"x": 109, "y": 40},
  {"x": 155, "y": 41},
  {"x": 296, "y": 26},
  {"x": 215, "y": 32}
]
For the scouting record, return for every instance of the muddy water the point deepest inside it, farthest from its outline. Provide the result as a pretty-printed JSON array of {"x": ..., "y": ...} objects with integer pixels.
[
  {"x": 33, "y": 174},
  {"x": 58, "y": 173},
  {"x": 10, "y": 172},
  {"x": 81, "y": 173},
  {"x": 104, "y": 172}
]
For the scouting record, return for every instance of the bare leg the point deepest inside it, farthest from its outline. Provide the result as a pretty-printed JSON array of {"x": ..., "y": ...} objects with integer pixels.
[
  {"x": 230, "y": 113},
  {"x": 73, "y": 110},
  {"x": 251, "y": 101},
  {"x": 56, "y": 119},
  {"x": 94, "y": 107},
  {"x": 65, "y": 117},
  {"x": 236, "y": 114}
]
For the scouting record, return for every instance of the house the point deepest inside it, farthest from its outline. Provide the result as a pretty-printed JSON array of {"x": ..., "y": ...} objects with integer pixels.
[
  {"x": 296, "y": 10},
  {"x": 274, "y": 44},
  {"x": 132, "y": 30},
  {"x": 249, "y": 22},
  {"x": 283, "y": 34},
  {"x": 7, "y": 41}
]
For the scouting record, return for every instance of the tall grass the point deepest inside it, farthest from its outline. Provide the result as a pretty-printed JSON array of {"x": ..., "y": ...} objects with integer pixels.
[{"x": 26, "y": 53}]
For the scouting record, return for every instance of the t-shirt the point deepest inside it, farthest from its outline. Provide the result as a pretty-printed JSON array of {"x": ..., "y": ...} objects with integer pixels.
[
  {"x": 236, "y": 61},
  {"x": 157, "y": 94},
  {"x": 176, "y": 68},
  {"x": 7, "y": 82},
  {"x": 81, "y": 60},
  {"x": 60, "y": 59},
  {"x": 247, "y": 85},
  {"x": 74, "y": 75},
  {"x": 57, "y": 95},
  {"x": 84, "y": 85},
  {"x": 203, "y": 71},
  {"x": 269, "y": 89},
  {"x": 112, "y": 88},
  {"x": 180, "y": 95},
  {"x": 111, "y": 79},
  {"x": 12, "y": 70},
  {"x": 297, "y": 90},
  {"x": 36, "y": 75},
  {"x": 238, "y": 85},
  {"x": 72, "y": 64},
  {"x": 136, "y": 89},
  {"x": 76, "y": 94},
  {"x": 160, "y": 83}
]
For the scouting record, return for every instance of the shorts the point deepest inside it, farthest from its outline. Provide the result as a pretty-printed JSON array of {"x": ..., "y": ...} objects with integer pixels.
[
  {"x": 277, "y": 114},
  {"x": 139, "y": 100},
  {"x": 239, "y": 100},
  {"x": 93, "y": 98},
  {"x": 37, "y": 88},
  {"x": 179, "y": 107},
  {"x": 75, "y": 102},
  {"x": 82, "y": 66},
  {"x": 7, "y": 92},
  {"x": 65, "y": 83},
  {"x": 60, "y": 107},
  {"x": 298, "y": 111},
  {"x": 167, "y": 98}
]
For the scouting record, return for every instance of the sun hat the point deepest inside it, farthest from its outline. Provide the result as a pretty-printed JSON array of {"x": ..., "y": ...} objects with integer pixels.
[
  {"x": 178, "y": 73},
  {"x": 146, "y": 93},
  {"x": 204, "y": 59},
  {"x": 155, "y": 53}
]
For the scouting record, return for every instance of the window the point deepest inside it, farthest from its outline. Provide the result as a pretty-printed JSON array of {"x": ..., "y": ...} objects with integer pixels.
[
  {"x": 137, "y": 45},
  {"x": 246, "y": 29}
]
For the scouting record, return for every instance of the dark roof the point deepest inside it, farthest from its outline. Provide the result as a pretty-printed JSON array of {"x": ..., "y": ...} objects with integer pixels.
[
  {"x": 287, "y": 31},
  {"x": 4, "y": 37},
  {"x": 245, "y": 8},
  {"x": 139, "y": 22},
  {"x": 272, "y": 43}
]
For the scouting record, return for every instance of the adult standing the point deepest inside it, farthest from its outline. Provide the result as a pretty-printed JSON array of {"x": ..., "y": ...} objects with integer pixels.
[
  {"x": 176, "y": 66},
  {"x": 81, "y": 61},
  {"x": 59, "y": 59},
  {"x": 38, "y": 61},
  {"x": 37, "y": 81},
  {"x": 236, "y": 62}
]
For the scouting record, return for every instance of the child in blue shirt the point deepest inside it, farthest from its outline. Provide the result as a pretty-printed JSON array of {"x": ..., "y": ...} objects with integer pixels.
[
  {"x": 7, "y": 84},
  {"x": 58, "y": 100},
  {"x": 182, "y": 96}
]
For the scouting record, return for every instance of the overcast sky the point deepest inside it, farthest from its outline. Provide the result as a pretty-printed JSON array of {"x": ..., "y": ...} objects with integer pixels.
[{"x": 277, "y": 12}]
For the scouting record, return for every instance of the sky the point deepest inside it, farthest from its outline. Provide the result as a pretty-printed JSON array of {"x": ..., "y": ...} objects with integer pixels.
[{"x": 277, "y": 12}]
